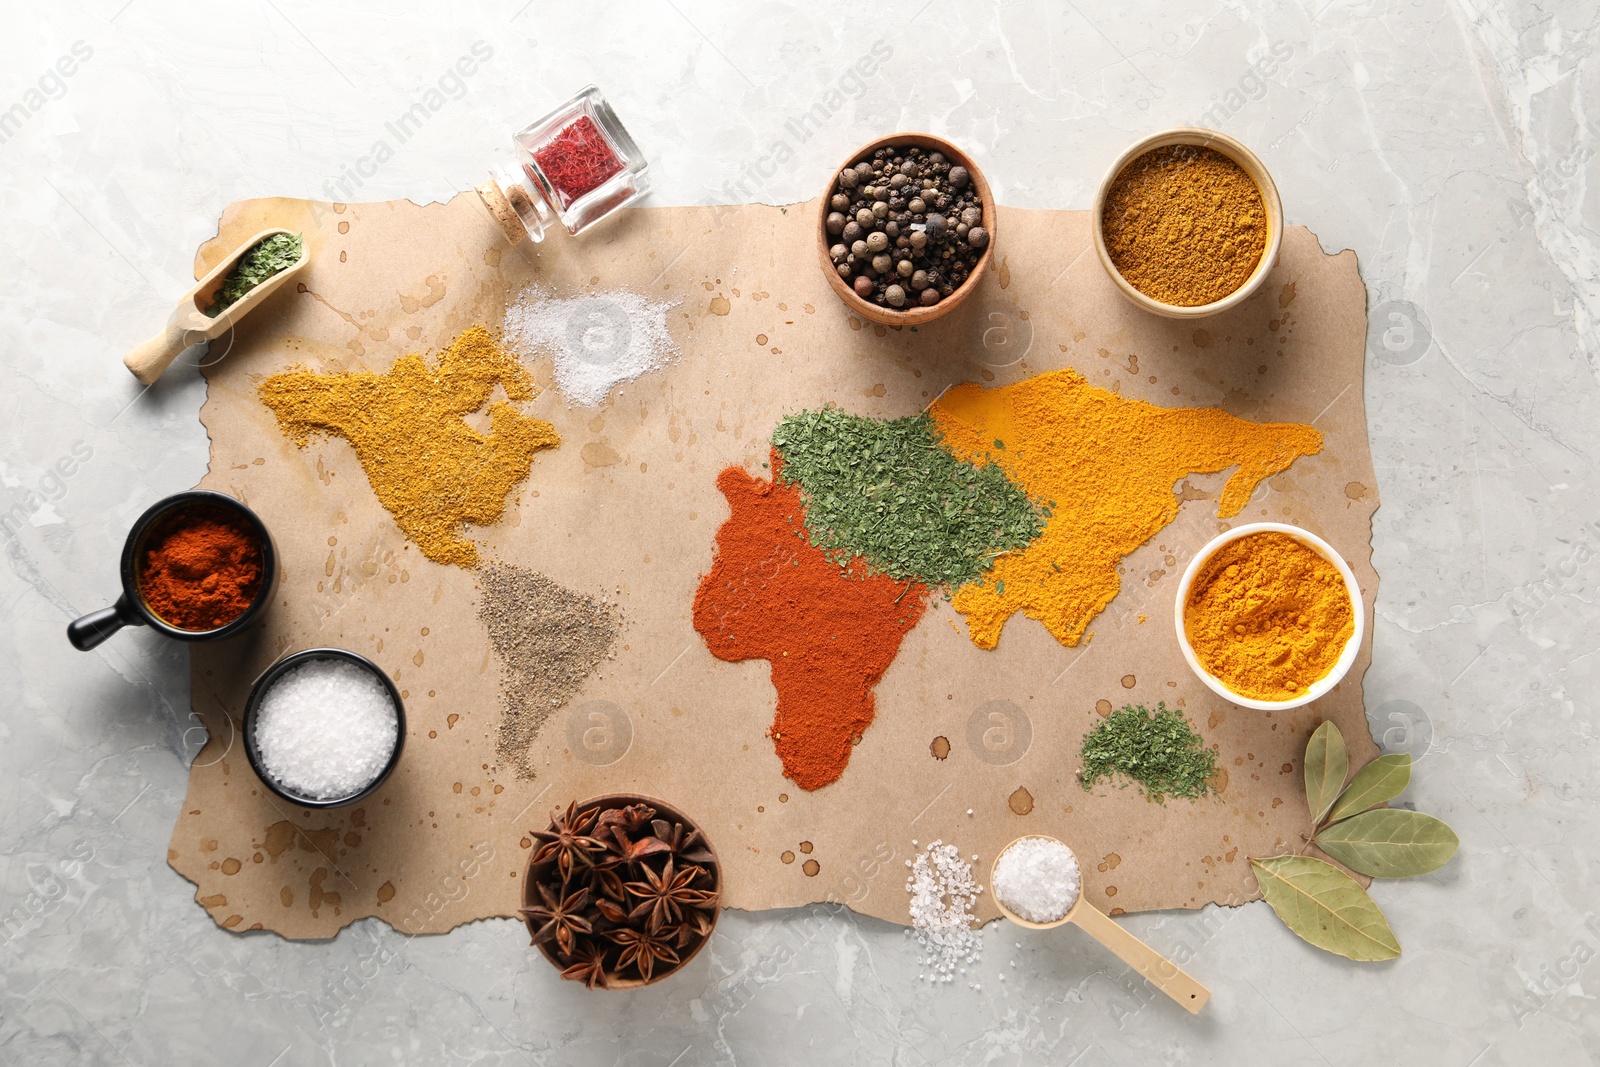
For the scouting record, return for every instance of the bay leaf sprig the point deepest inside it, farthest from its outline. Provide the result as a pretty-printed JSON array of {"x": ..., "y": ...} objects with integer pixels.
[{"x": 1318, "y": 901}]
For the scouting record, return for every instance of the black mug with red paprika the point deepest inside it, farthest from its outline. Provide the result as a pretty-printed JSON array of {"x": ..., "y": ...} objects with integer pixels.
[{"x": 197, "y": 566}]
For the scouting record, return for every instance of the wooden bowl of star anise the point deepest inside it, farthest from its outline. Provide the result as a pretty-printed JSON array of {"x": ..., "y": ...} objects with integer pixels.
[{"x": 621, "y": 891}]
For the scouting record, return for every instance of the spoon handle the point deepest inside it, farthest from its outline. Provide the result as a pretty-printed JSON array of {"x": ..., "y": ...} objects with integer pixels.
[
  {"x": 150, "y": 359},
  {"x": 1161, "y": 972}
]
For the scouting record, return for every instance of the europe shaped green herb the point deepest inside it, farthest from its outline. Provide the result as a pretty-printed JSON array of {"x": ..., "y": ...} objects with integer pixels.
[
  {"x": 1159, "y": 750},
  {"x": 890, "y": 492},
  {"x": 265, "y": 258}
]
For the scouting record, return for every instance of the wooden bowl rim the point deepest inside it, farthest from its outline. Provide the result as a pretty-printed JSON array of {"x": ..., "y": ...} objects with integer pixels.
[
  {"x": 917, "y": 315},
  {"x": 675, "y": 814},
  {"x": 1250, "y": 163}
]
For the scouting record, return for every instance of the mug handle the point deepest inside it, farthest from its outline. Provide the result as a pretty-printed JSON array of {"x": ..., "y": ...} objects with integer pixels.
[{"x": 88, "y": 632}]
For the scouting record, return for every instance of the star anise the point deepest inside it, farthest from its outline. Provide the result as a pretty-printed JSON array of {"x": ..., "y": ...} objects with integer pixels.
[
  {"x": 664, "y": 896},
  {"x": 629, "y": 819},
  {"x": 586, "y": 902},
  {"x": 687, "y": 845},
  {"x": 633, "y": 851},
  {"x": 695, "y": 924},
  {"x": 560, "y": 917},
  {"x": 568, "y": 840},
  {"x": 588, "y": 965},
  {"x": 642, "y": 949}
]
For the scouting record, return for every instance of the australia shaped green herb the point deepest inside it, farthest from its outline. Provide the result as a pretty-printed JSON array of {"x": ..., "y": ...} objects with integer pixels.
[
  {"x": 265, "y": 258},
  {"x": 1322, "y": 903},
  {"x": 1157, "y": 749},
  {"x": 890, "y": 492}
]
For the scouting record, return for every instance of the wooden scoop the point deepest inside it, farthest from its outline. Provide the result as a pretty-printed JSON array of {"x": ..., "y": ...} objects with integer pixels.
[
  {"x": 1160, "y": 971},
  {"x": 190, "y": 325}
]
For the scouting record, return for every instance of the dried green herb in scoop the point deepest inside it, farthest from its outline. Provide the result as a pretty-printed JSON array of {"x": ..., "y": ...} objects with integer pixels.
[
  {"x": 1158, "y": 749},
  {"x": 264, "y": 259}
]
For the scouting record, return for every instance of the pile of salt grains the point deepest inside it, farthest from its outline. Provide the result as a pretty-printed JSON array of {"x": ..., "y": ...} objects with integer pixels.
[
  {"x": 1038, "y": 879},
  {"x": 942, "y": 894},
  {"x": 595, "y": 342},
  {"x": 326, "y": 729}
]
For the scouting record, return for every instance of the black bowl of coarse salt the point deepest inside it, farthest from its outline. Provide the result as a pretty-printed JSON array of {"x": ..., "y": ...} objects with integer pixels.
[{"x": 324, "y": 727}]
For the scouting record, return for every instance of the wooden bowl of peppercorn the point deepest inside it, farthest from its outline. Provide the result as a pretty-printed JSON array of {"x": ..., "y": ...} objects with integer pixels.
[
  {"x": 850, "y": 216},
  {"x": 634, "y": 882}
]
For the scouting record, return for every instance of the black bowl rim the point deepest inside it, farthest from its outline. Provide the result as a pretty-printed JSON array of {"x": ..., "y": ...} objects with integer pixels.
[
  {"x": 154, "y": 514},
  {"x": 277, "y": 670}
]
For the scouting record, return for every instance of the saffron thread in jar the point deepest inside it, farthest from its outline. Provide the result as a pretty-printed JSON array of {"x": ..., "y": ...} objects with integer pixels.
[{"x": 578, "y": 160}]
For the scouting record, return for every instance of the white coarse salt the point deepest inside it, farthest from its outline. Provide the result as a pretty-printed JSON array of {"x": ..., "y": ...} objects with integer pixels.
[
  {"x": 326, "y": 729},
  {"x": 1037, "y": 878},
  {"x": 596, "y": 342},
  {"x": 942, "y": 894}
]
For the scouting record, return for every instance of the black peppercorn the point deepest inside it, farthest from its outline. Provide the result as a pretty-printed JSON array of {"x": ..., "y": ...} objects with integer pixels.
[{"x": 907, "y": 226}]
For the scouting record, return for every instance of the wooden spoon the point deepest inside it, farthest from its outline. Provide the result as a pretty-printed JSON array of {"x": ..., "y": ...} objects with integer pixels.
[
  {"x": 1160, "y": 971},
  {"x": 190, "y": 325}
]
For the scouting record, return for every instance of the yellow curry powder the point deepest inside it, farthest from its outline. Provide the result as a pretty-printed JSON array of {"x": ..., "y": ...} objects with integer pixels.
[
  {"x": 1107, "y": 464},
  {"x": 1267, "y": 616},
  {"x": 1185, "y": 225},
  {"x": 427, "y": 465}
]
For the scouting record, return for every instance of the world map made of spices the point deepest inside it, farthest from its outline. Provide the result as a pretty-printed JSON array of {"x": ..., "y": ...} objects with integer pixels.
[
  {"x": 828, "y": 602},
  {"x": 1021, "y": 498}
]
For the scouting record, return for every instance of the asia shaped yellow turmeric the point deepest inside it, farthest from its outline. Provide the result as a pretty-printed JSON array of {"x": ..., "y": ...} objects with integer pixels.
[{"x": 1105, "y": 465}]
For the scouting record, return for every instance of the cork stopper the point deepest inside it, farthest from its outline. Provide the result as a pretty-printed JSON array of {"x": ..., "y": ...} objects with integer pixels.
[{"x": 504, "y": 214}]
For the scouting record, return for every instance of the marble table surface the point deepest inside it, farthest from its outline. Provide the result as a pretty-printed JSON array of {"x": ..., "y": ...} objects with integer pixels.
[{"x": 1449, "y": 144}]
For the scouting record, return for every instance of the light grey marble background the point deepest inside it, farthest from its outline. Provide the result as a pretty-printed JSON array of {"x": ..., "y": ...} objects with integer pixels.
[{"x": 1449, "y": 144}]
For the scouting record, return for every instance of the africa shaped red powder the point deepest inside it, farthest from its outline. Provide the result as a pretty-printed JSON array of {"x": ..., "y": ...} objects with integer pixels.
[{"x": 828, "y": 633}]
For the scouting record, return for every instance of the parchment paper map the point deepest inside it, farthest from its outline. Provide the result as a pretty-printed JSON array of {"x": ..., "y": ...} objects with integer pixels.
[{"x": 972, "y": 745}]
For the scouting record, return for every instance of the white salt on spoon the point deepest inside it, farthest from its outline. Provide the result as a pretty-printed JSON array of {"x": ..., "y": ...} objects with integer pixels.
[{"x": 1037, "y": 884}]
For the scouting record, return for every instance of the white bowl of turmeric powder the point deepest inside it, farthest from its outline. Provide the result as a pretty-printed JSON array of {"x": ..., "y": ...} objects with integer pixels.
[{"x": 1269, "y": 616}]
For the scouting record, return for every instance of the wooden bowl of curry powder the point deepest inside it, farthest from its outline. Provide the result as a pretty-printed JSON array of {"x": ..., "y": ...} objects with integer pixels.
[{"x": 1187, "y": 223}]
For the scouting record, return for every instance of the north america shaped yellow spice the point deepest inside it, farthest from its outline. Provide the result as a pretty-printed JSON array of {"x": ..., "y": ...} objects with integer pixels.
[
  {"x": 1109, "y": 464},
  {"x": 432, "y": 470}
]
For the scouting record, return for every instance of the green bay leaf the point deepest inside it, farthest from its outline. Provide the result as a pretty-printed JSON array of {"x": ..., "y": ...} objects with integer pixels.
[
  {"x": 1378, "y": 782},
  {"x": 1326, "y": 765},
  {"x": 1326, "y": 907},
  {"x": 1390, "y": 843}
]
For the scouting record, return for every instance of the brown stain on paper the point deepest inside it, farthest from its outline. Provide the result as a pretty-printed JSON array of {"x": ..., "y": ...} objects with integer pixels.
[
  {"x": 600, "y": 454},
  {"x": 1020, "y": 802}
]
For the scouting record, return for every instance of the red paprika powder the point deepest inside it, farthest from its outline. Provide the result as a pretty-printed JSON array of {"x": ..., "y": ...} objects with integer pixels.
[
  {"x": 577, "y": 160},
  {"x": 200, "y": 569},
  {"x": 828, "y": 633}
]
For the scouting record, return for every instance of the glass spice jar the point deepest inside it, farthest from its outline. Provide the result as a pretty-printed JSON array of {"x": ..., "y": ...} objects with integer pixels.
[{"x": 574, "y": 166}]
